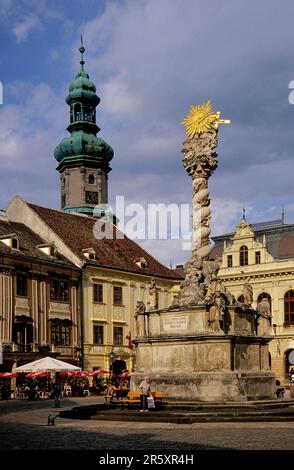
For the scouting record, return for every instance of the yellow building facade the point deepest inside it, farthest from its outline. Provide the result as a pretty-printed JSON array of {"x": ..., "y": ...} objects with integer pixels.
[
  {"x": 265, "y": 254},
  {"x": 110, "y": 299}
]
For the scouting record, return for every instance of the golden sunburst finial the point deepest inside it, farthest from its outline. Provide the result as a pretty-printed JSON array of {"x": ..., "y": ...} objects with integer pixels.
[{"x": 201, "y": 118}]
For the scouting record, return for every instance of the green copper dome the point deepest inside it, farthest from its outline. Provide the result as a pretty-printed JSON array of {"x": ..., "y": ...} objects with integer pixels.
[
  {"x": 82, "y": 87},
  {"x": 84, "y": 147}
]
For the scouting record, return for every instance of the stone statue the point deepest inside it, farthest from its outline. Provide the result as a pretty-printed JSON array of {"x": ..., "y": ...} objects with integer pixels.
[
  {"x": 215, "y": 301},
  {"x": 214, "y": 318},
  {"x": 247, "y": 293},
  {"x": 192, "y": 290},
  {"x": 140, "y": 319},
  {"x": 202, "y": 285},
  {"x": 153, "y": 295},
  {"x": 264, "y": 317}
]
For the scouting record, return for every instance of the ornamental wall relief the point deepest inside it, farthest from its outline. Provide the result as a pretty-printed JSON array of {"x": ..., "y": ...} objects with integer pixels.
[
  {"x": 118, "y": 313},
  {"x": 99, "y": 311}
]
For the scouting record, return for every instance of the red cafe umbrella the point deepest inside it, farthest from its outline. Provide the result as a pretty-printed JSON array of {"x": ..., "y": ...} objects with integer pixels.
[
  {"x": 35, "y": 375},
  {"x": 99, "y": 372},
  {"x": 84, "y": 373},
  {"x": 68, "y": 374},
  {"x": 7, "y": 375},
  {"x": 126, "y": 374}
]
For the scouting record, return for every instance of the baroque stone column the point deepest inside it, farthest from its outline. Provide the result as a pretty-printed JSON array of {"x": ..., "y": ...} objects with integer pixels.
[
  {"x": 201, "y": 284},
  {"x": 200, "y": 162}
]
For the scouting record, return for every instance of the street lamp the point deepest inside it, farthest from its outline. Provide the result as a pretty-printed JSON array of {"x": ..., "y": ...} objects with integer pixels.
[{"x": 111, "y": 357}]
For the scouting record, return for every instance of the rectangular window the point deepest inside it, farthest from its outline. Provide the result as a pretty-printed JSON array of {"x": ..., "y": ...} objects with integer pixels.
[
  {"x": 59, "y": 290},
  {"x": 54, "y": 334},
  {"x": 21, "y": 285},
  {"x": 98, "y": 334},
  {"x": 117, "y": 295},
  {"x": 98, "y": 293},
  {"x": 118, "y": 335},
  {"x": 230, "y": 261},
  {"x": 65, "y": 335},
  {"x": 257, "y": 257},
  {"x": 60, "y": 334}
]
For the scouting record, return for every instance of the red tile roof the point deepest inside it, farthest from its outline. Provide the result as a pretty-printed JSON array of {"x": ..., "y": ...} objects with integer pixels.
[
  {"x": 28, "y": 244},
  {"x": 77, "y": 233}
]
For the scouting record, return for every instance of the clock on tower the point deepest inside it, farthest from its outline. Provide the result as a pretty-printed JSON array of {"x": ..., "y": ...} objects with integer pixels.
[{"x": 91, "y": 197}]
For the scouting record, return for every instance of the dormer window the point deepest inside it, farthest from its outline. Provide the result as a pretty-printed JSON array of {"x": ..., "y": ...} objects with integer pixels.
[
  {"x": 15, "y": 244},
  {"x": 49, "y": 250},
  {"x": 142, "y": 263},
  {"x": 11, "y": 241},
  {"x": 89, "y": 253}
]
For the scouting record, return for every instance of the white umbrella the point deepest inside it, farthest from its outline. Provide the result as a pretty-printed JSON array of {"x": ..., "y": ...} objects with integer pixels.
[{"x": 47, "y": 364}]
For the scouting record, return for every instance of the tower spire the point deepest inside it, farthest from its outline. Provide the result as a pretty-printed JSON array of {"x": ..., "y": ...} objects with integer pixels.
[
  {"x": 82, "y": 50},
  {"x": 83, "y": 154}
]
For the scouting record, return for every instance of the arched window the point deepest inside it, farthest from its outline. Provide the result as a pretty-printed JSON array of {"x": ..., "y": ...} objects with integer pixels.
[
  {"x": 91, "y": 179},
  {"x": 241, "y": 298},
  {"x": 264, "y": 295},
  {"x": 289, "y": 307},
  {"x": 77, "y": 112},
  {"x": 89, "y": 114},
  {"x": 243, "y": 255},
  {"x": 289, "y": 361}
]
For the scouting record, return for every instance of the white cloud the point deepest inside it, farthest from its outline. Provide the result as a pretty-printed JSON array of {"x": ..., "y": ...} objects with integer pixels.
[
  {"x": 117, "y": 98},
  {"x": 26, "y": 25},
  {"x": 26, "y": 16},
  {"x": 29, "y": 133}
]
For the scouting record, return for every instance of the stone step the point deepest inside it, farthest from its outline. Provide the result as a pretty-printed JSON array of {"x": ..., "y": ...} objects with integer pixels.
[
  {"x": 180, "y": 415},
  {"x": 188, "y": 405}
]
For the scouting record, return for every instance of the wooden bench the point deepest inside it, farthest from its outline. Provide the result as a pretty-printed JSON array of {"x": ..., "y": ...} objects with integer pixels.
[
  {"x": 134, "y": 398},
  {"x": 116, "y": 395},
  {"x": 158, "y": 398}
]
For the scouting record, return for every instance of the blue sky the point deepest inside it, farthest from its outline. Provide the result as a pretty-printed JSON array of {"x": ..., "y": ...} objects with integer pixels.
[{"x": 150, "y": 60}]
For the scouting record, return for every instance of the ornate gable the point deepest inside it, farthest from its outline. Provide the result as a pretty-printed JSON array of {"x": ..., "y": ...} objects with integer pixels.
[{"x": 244, "y": 230}]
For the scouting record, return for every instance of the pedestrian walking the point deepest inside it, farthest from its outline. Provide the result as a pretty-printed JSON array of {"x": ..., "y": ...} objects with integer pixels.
[
  {"x": 145, "y": 388},
  {"x": 56, "y": 394}
]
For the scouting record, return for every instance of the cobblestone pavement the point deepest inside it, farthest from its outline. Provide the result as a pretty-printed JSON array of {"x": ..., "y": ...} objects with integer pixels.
[{"x": 23, "y": 425}]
